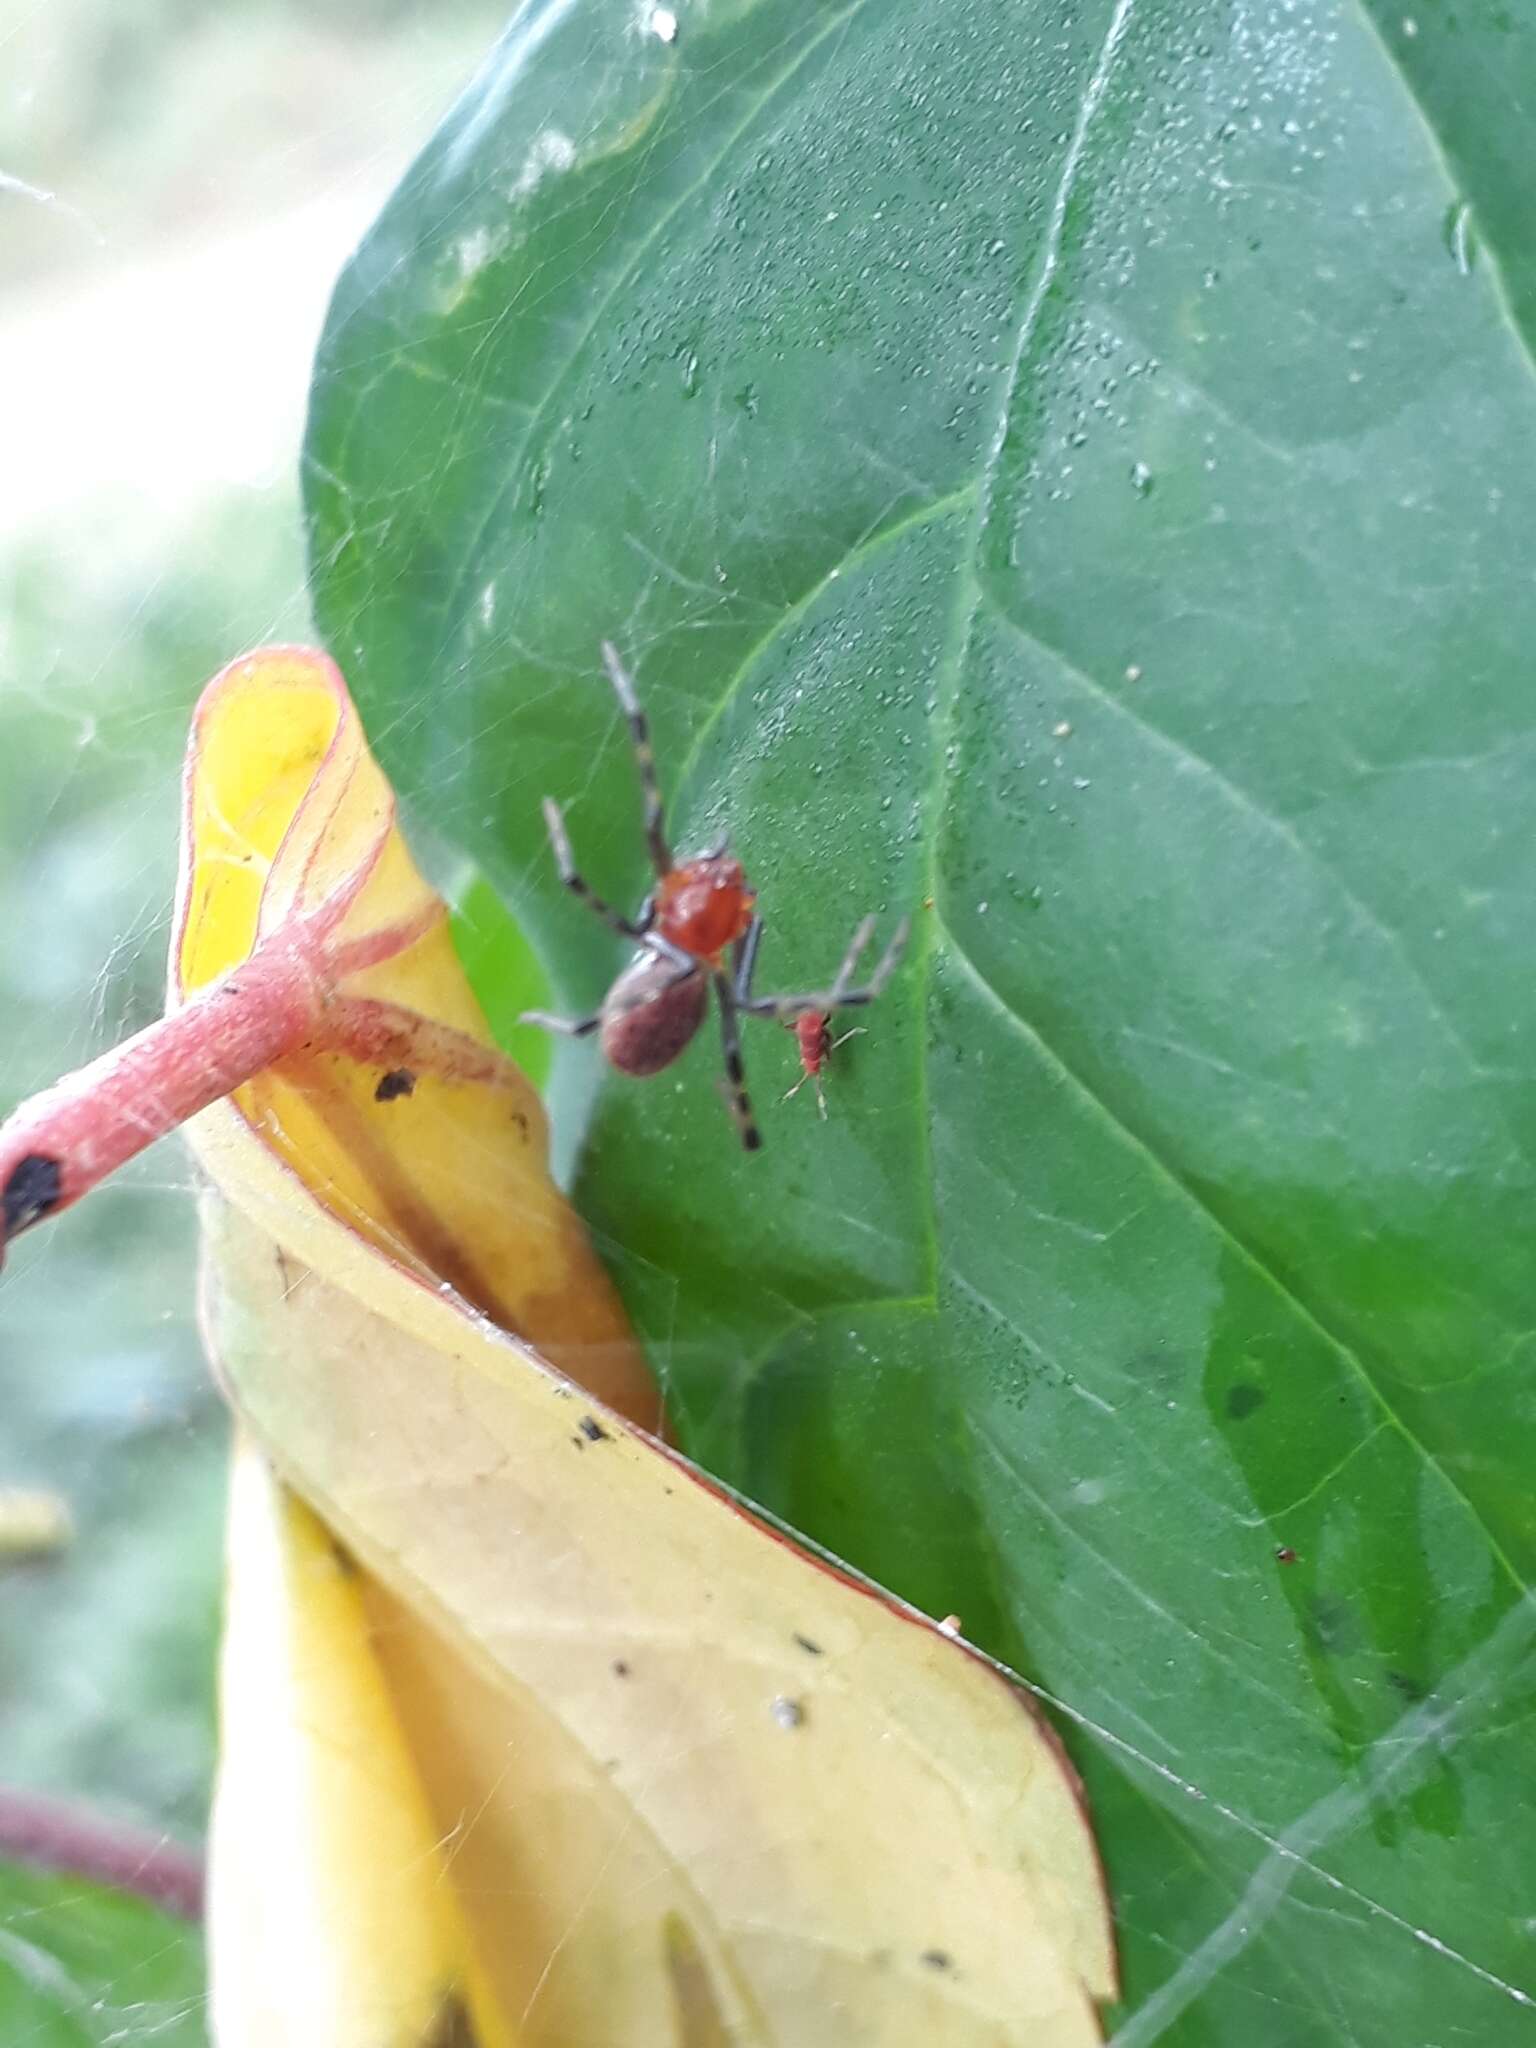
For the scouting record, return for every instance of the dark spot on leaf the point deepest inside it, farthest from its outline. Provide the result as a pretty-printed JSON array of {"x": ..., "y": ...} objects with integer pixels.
[
  {"x": 593, "y": 1430},
  {"x": 620, "y": 1668},
  {"x": 1411, "y": 1688},
  {"x": 1243, "y": 1399},
  {"x": 811, "y": 1649},
  {"x": 521, "y": 1121},
  {"x": 1285, "y": 1554},
  {"x": 33, "y": 1188},
  {"x": 938, "y": 1959},
  {"x": 397, "y": 1082}
]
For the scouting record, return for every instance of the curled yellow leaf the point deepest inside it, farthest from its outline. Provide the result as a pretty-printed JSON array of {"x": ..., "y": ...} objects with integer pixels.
[
  {"x": 396, "y": 1109},
  {"x": 691, "y": 1784},
  {"x": 532, "y": 1735}
]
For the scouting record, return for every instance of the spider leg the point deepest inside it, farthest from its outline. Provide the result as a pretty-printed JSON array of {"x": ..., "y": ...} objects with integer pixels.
[
  {"x": 839, "y": 996},
  {"x": 889, "y": 961},
  {"x": 645, "y": 760},
  {"x": 864, "y": 932},
  {"x": 568, "y": 1027},
  {"x": 667, "y": 949},
  {"x": 740, "y": 1102},
  {"x": 858, "y": 1031},
  {"x": 565, "y": 861},
  {"x": 745, "y": 963}
]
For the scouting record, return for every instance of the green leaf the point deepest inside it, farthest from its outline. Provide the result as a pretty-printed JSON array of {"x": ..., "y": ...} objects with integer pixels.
[
  {"x": 81, "y": 1967},
  {"x": 1076, "y": 467},
  {"x": 505, "y": 971}
]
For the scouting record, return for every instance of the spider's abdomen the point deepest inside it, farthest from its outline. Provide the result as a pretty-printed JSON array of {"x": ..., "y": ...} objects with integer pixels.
[
  {"x": 649, "y": 1015},
  {"x": 705, "y": 905},
  {"x": 813, "y": 1039}
]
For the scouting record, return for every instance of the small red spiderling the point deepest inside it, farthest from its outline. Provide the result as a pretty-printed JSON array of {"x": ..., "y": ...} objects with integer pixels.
[{"x": 817, "y": 1045}]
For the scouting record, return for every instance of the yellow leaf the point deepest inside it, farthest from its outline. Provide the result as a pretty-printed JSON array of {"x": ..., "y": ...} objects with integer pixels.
[
  {"x": 690, "y": 1785},
  {"x": 398, "y": 1109},
  {"x": 532, "y": 1735},
  {"x": 331, "y": 1920}
]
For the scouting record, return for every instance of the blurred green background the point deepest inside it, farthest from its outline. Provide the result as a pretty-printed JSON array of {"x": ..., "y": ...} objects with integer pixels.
[{"x": 178, "y": 186}]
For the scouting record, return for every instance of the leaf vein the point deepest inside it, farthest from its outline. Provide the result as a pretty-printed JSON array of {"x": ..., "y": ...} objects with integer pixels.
[
  {"x": 1250, "y": 1255},
  {"x": 626, "y": 270},
  {"x": 1244, "y": 801}
]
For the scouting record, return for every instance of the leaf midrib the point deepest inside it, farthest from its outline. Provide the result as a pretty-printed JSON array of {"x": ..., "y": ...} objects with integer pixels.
[{"x": 980, "y": 596}]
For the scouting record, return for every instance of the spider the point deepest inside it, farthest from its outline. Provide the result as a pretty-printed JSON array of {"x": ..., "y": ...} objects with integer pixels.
[
  {"x": 816, "y": 1046},
  {"x": 701, "y": 909}
]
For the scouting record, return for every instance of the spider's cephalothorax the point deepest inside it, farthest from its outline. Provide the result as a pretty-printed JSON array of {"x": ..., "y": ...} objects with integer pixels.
[{"x": 700, "y": 912}]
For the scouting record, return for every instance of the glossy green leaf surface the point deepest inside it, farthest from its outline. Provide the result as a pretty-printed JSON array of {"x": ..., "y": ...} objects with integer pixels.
[{"x": 1068, "y": 473}]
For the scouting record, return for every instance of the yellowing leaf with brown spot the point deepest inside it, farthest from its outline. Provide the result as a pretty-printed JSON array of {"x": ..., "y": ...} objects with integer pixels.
[
  {"x": 399, "y": 1112},
  {"x": 662, "y": 1777}
]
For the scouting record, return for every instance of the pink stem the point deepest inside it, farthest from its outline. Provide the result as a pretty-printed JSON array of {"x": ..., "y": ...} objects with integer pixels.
[
  {"x": 47, "y": 1834},
  {"x": 60, "y": 1144}
]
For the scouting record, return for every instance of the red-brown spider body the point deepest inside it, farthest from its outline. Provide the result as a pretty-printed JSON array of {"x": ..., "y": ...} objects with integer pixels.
[
  {"x": 650, "y": 1014},
  {"x": 704, "y": 905}
]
